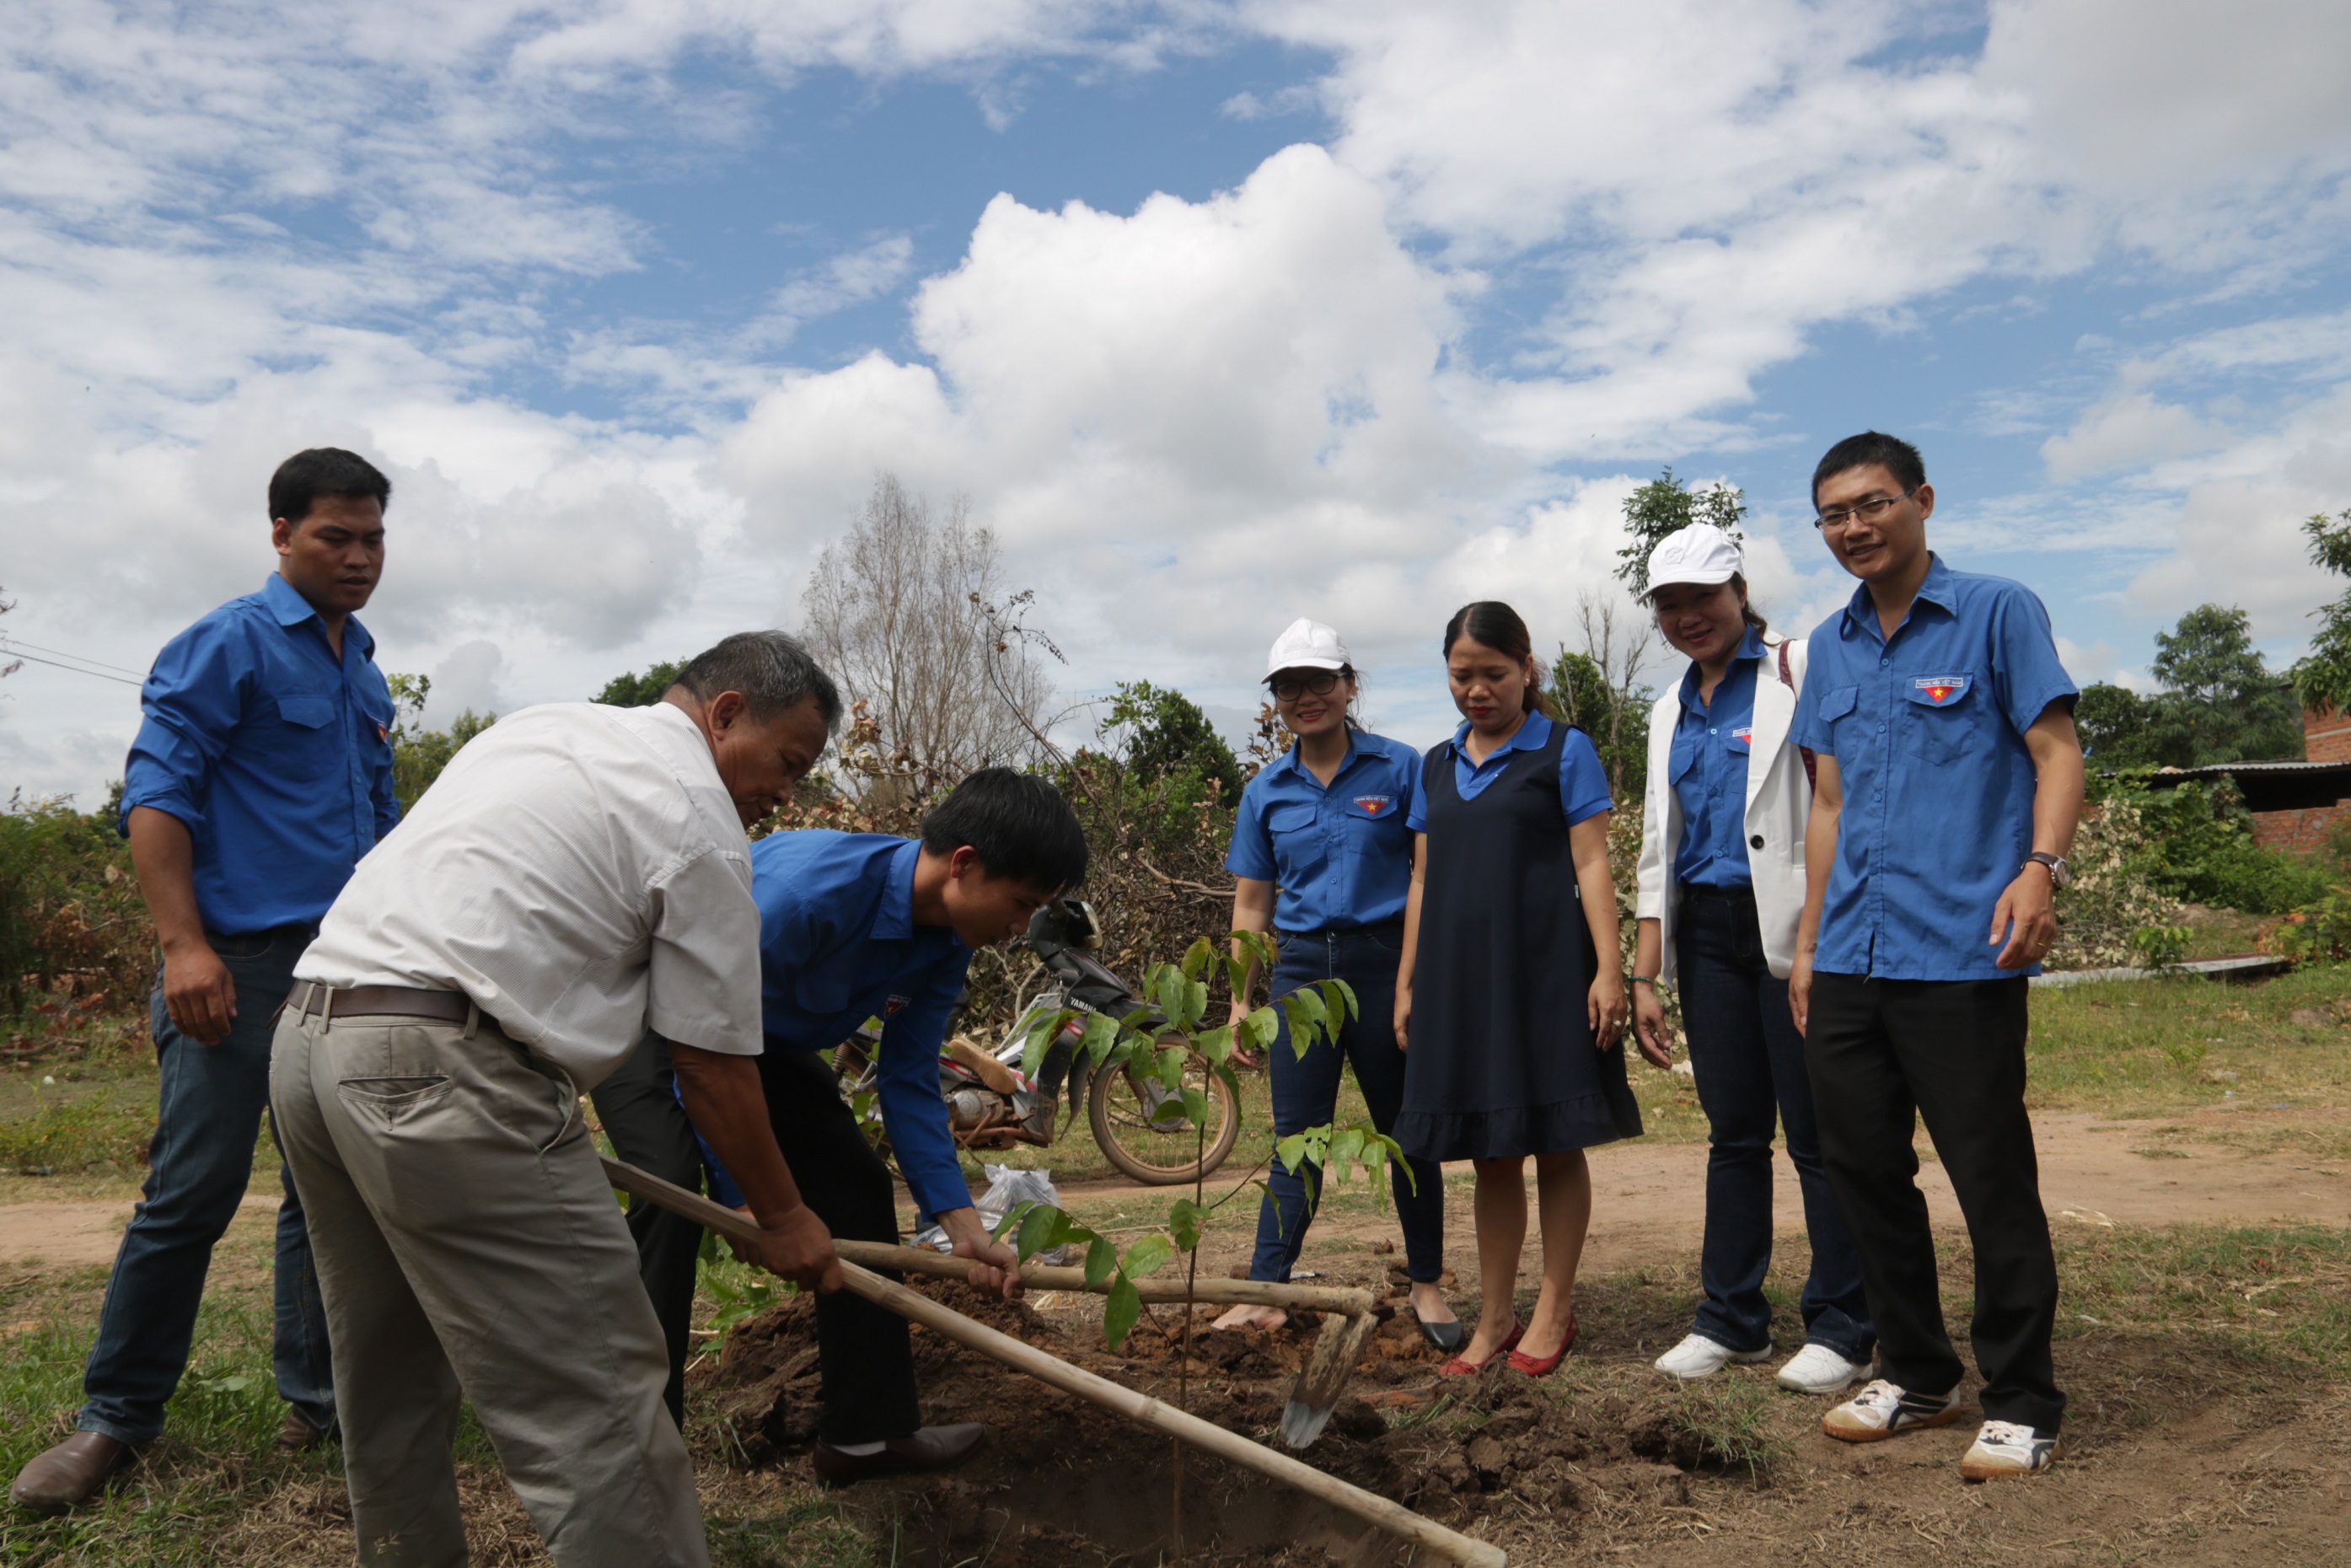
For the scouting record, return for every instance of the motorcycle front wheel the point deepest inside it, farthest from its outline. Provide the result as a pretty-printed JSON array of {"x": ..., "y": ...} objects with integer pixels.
[{"x": 1166, "y": 1153}]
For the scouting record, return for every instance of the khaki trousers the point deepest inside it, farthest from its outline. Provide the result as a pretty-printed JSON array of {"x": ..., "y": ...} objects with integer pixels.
[{"x": 468, "y": 1244}]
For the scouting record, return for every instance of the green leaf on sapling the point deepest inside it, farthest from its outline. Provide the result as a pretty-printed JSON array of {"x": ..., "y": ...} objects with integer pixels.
[
  {"x": 1346, "y": 995},
  {"x": 1344, "y": 1148},
  {"x": 1291, "y": 1151},
  {"x": 1197, "y": 957},
  {"x": 1126, "y": 1305},
  {"x": 1102, "y": 1257},
  {"x": 1195, "y": 1106},
  {"x": 1184, "y": 1221},
  {"x": 1148, "y": 1256},
  {"x": 1037, "y": 1231}
]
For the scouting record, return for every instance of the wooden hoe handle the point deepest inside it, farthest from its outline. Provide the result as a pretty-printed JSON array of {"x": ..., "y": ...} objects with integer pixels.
[{"x": 1392, "y": 1517}]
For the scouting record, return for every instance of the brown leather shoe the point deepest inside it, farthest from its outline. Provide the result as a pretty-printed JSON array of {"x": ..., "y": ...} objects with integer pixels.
[
  {"x": 297, "y": 1435},
  {"x": 69, "y": 1474},
  {"x": 932, "y": 1448}
]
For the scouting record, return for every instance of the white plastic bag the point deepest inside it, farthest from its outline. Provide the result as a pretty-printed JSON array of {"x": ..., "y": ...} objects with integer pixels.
[{"x": 1008, "y": 1189}]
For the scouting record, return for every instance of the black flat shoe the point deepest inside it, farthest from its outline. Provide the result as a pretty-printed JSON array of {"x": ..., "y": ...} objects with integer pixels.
[{"x": 1443, "y": 1338}]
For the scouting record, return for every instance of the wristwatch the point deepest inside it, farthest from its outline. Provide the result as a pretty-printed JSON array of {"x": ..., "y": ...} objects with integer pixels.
[{"x": 2059, "y": 873}]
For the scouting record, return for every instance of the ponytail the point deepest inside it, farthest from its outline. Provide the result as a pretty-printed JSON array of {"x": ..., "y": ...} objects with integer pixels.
[{"x": 1747, "y": 612}]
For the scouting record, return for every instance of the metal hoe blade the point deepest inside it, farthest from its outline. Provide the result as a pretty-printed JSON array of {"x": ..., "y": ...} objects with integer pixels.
[{"x": 1325, "y": 1376}]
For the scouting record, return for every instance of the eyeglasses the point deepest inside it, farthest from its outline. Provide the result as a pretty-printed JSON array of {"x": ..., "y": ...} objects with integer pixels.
[
  {"x": 1290, "y": 688},
  {"x": 1832, "y": 522}
]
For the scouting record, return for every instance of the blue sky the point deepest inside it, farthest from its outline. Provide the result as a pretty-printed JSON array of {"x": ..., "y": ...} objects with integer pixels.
[{"x": 1219, "y": 313}]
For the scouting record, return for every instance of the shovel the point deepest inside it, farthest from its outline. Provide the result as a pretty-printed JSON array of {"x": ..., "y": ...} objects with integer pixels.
[
  {"x": 1370, "y": 1506},
  {"x": 1347, "y": 1325}
]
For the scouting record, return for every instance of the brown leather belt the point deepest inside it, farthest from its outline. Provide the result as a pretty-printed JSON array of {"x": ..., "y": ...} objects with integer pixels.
[{"x": 378, "y": 1001}]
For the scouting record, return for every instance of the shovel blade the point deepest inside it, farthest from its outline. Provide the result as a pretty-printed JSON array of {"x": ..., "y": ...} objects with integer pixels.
[{"x": 1325, "y": 1376}]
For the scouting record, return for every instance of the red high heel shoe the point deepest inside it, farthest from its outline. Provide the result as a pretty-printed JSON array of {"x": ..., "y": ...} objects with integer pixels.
[
  {"x": 1548, "y": 1364},
  {"x": 1459, "y": 1367}
]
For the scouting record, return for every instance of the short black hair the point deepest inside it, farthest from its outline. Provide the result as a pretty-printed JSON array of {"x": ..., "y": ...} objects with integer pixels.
[
  {"x": 1016, "y": 823},
  {"x": 1871, "y": 449},
  {"x": 773, "y": 671},
  {"x": 302, "y": 479}
]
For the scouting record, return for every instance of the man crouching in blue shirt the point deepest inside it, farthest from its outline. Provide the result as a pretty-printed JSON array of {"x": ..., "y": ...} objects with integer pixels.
[
  {"x": 261, "y": 775},
  {"x": 855, "y": 927},
  {"x": 1949, "y": 784}
]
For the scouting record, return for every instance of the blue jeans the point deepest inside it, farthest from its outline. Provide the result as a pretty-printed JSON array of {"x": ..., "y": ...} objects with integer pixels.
[
  {"x": 1306, "y": 1094},
  {"x": 208, "y": 1111},
  {"x": 1750, "y": 1063}
]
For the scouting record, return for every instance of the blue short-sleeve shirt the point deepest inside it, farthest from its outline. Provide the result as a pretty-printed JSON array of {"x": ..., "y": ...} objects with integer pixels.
[
  {"x": 838, "y": 945},
  {"x": 1928, "y": 729},
  {"x": 1582, "y": 782},
  {"x": 1708, "y": 766},
  {"x": 273, "y": 751},
  {"x": 1340, "y": 857}
]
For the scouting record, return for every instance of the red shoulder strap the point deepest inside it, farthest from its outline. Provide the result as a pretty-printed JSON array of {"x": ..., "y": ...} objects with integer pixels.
[{"x": 1811, "y": 763}]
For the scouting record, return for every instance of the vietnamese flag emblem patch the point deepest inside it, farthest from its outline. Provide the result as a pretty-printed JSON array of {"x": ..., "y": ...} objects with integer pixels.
[
  {"x": 1372, "y": 805},
  {"x": 1940, "y": 689}
]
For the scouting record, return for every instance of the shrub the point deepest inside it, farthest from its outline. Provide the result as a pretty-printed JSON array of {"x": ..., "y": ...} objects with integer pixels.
[
  {"x": 2200, "y": 846},
  {"x": 2108, "y": 912},
  {"x": 71, "y": 919}
]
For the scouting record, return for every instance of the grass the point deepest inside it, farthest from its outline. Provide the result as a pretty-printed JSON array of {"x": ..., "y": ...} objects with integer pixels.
[{"x": 2162, "y": 1048}]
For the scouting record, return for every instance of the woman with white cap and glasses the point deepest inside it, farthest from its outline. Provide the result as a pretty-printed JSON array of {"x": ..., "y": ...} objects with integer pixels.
[
  {"x": 1721, "y": 887},
  {"x": 1323, "y": 858}
]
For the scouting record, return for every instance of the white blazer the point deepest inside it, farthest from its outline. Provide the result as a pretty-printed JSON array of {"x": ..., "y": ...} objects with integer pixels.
[{"x": 1779, "y": 800}]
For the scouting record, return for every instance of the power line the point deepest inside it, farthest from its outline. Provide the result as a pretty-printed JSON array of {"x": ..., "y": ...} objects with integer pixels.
[
  {"x": 8, "y": 639},
  {"x": 101, "y": 675}
]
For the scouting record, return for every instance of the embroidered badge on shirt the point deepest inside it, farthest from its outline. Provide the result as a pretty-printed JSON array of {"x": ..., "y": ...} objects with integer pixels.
[
  {"x": 1940, "y": 689},
  {"x": 894, "y": 1004},
  {"x": 1374, "y": 805},
  {"x": 1745, "y": 736}
]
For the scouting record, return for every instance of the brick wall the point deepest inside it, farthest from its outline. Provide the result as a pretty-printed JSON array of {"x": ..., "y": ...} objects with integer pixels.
[
  {"x": 2300, "y": 833},
  {"x": 2326, "y": 737}
]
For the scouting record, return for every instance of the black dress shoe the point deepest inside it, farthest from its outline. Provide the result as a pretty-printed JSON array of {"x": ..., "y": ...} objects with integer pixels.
[
  {"x": 297, "y": 1435},
  {"x": 69, "y": 1474},
  {"x": 932, "y": 1448},
  {"x": 1444, "y": 1338}
]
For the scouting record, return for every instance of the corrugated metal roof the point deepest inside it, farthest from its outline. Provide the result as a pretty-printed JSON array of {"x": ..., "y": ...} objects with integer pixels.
[{"x": 2219, "y": 770}]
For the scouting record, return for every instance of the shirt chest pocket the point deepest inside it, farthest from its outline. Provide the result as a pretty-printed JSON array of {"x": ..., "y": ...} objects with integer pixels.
[
  {"x": 303, "y": 744},
  {"x": 1944, "y": 713},
  {"x": 1299, "y": 846},
  {"x": 821, "y": 993}
]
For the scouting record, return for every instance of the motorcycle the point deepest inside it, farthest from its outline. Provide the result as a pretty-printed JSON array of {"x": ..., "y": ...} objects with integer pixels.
[{"x": 993, "y": 1104}]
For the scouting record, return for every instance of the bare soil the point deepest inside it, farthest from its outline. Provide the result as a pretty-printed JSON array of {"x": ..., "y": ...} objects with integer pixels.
[{"x": 2175, "y": 1455}]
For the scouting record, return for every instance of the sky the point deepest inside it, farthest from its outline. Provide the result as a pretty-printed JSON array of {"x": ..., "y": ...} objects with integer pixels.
[{"x": 1218, "y": 312}]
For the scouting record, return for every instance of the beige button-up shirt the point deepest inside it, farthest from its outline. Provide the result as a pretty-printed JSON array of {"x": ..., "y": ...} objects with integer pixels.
[{"x": 578, "y": 872}]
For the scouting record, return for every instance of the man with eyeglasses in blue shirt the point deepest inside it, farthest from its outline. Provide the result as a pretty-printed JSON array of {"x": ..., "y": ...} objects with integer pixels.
[
  {"x": 261, "y": 775},
  {"x": 1950, "y": 785}
]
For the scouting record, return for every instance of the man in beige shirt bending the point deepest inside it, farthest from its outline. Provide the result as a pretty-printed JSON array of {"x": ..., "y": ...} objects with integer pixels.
[{"x": 579, "y": 874}]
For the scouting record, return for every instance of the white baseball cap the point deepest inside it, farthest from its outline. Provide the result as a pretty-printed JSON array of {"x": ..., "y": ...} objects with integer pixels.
[
  {"x": 1700, "y": 553},
  {"x": 1306, "y": 646}
]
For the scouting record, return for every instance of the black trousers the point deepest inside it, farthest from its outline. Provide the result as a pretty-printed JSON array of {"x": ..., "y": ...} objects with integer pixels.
[
  {"x": 1882, "y": 1053},
  {"x": 862, "y": 1351}
]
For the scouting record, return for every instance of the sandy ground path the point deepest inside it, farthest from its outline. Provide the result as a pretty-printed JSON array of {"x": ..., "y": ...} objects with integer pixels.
[{"x": 1646, "y": 1198}]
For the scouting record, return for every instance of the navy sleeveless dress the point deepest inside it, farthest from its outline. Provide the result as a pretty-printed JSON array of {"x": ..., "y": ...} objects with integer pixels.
[{"x": 1501, "y": 1062}]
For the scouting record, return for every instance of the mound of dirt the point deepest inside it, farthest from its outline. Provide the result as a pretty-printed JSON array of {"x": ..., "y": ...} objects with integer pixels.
[{"x": 1065, "y": 1481}]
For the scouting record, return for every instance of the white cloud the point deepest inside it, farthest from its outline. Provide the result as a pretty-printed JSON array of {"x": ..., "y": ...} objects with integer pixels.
[{"x": 1188, "y": 421}]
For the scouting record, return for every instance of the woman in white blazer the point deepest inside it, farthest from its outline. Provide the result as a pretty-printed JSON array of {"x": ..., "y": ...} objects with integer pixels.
[{"x": 1721, "y": 885}]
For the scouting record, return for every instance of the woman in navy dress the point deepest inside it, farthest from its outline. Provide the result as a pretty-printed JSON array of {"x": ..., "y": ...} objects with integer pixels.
[
  {"x": 1510, "y": 997},
  {"x": 1323, "y": 857}
]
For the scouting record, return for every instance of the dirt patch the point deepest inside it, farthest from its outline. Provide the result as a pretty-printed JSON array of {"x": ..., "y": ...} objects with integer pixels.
[{"x": 2178, "y": 1452}]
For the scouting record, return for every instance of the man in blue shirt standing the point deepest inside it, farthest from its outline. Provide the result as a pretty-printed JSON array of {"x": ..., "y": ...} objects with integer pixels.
[
  {"x": 855, "y": 927},
  {"x": 1950, "y": 785},
  {"x": 261, "y": 775}
]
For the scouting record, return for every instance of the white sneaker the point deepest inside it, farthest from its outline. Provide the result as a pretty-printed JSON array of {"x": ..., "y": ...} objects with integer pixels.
[
  {"x": 1880, "y": 1410},
  {"x": 1698, "y": 1356},
  {"x": 2007, "y": 1448},
  {"x": 1817, "y": 1369}
]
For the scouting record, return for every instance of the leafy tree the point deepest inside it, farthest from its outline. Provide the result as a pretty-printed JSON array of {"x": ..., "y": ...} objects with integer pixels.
[
  {"x": 1169, "y": 738},
  {"x": 630, "y": 690},
  {"x": 1664, "y": 506},
  {"x": 2220, "y": 702},
  {"x": 418, "y": 755},
  {"x": 1616, "y": 717},
  {"x": 2322, "y": 680},
  {"x": 2114, "y": 722}
]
